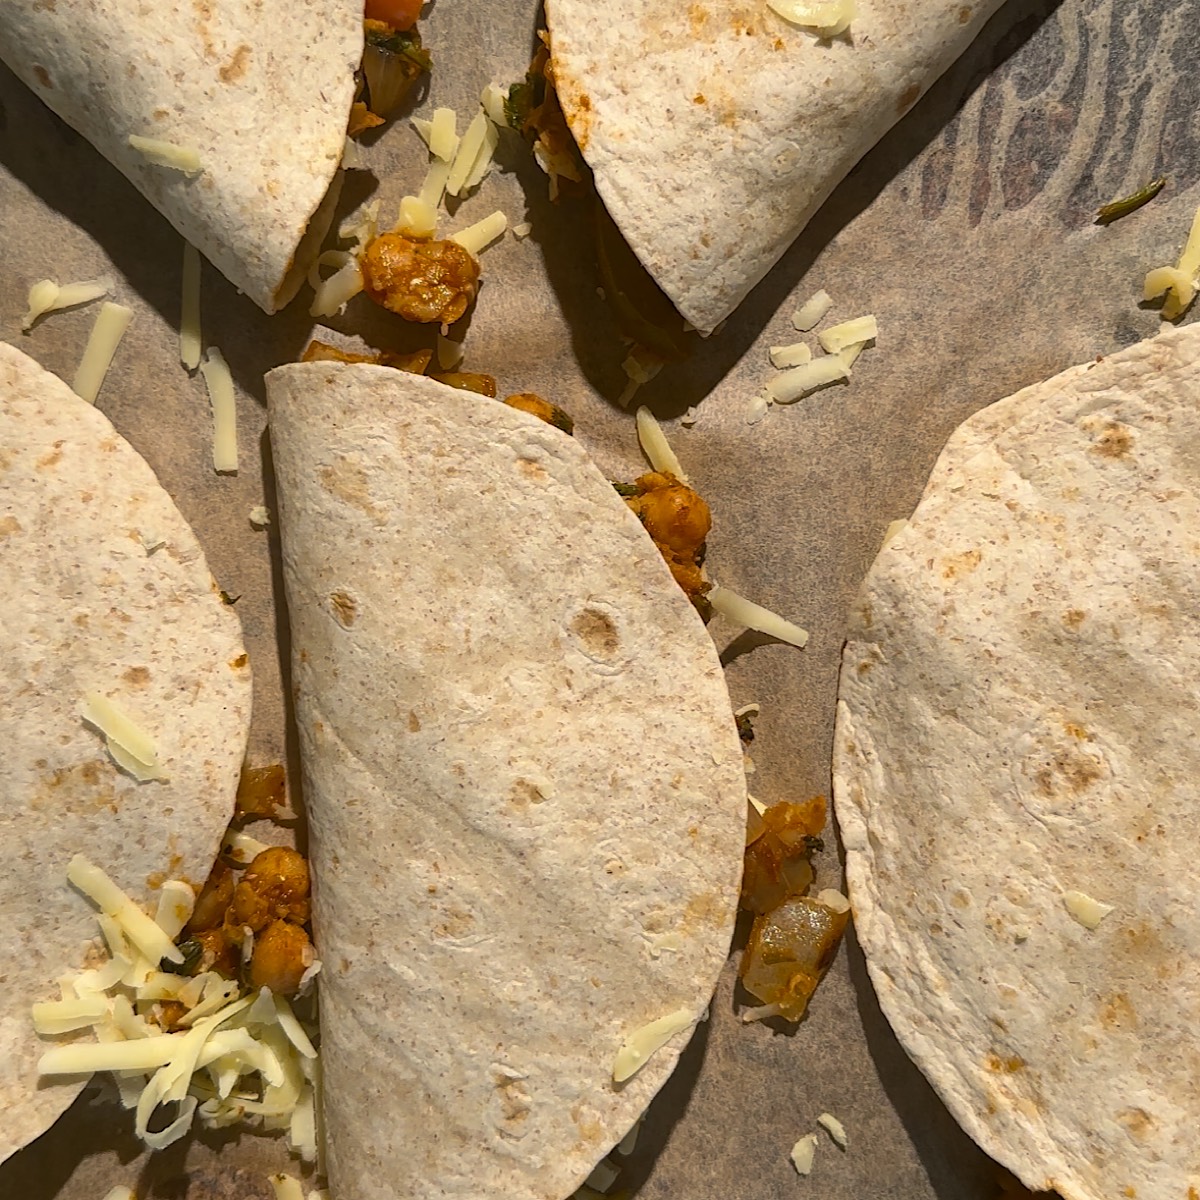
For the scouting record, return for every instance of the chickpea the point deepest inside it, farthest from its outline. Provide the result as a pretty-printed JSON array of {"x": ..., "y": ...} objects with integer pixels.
[
  {"x": 274, "y": 887},
  {"x": 213, "y": 900},
  {"x": 421, "y": 281},
  {"x": 282, "y": 953},
  {"x": 673, "y": 514}
]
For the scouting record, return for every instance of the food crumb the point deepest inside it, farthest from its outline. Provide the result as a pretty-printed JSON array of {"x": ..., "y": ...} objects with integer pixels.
[
  {"x": 803, "y": 1153},
  {"x": 260, "y": 517},
  {"x": 833, "y": 1127}
]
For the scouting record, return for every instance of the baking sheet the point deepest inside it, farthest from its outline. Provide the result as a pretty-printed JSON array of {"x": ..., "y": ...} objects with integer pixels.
[{"x": 967, "y": 232}]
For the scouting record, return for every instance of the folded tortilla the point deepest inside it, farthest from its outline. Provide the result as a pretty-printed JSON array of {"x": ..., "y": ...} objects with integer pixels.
[
  {"x": 261, "y": 92},
  {"x": 1016, "y": 740},
  {"x": 525, "y": 789},
  {"x": 716, "y": 131},
  {"x": 106, "y": 592}
]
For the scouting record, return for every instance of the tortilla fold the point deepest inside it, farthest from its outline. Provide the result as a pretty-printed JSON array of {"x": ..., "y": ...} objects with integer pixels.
[
  {"x": 1015, "y": 775},
  {"x": 261, "y": 92},
  {"x": 716, "y": 131},
  {"x": 106, "y": 592},
  {"x": 525, "y": 788}
]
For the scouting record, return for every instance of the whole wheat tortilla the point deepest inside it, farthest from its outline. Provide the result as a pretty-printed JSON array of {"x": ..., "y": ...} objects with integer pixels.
[
  {"x": 525, "y": 788},
  {"x": 716, "y": 131},
  {"x": 1018, "y": 720},
  {"x": 262, "y": 91},
  {"x": 105, "y": 590}
]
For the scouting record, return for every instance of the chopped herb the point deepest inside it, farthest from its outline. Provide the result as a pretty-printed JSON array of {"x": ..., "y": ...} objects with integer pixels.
[
  {"x": 1123, "y": 207},
  {"x": 625, "y": 489},
  {"x": 192, "y": 952},
  {"x": 401, "y": 41},
  {"x": 226, "y": 598},
  {"x": 745, "y": 727},
  {"x": 814, "y": 844}
]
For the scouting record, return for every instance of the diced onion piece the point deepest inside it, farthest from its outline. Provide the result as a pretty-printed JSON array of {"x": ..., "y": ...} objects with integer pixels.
[
  {"x": 189, "y": 316},
  {"x": 754, "y": 616},
  {"x": 838, "y": 337},
  {"x": 418, "y": 218},
  {"x": 221, "y": 395},
  {"x": 47, "y": 296},
  {"x": 434, "y": 186},
  {"x": 475, "y": 237},
  {"x": 106, "y": 335},
  {"x": 1180, "y": 289},
  {"x": 812, "y": 312},
  {"x": 259, "y": 516},
  {"x": 834, "y": 1128},
  {"x": 175, "y": 903},
  {"x": 130, "y": 746},
  {"x": 423, "y": 127},
  {"x": 648, "y": 1040},
  {"x": 756, "y": 409},
  {"x": 449, "y": 352},
  {"x": 334, "y": 293},
  {"x": 167, "y": 154},
  {"x": 443, "y": 135},
  {"x": 522, "y": 229},
  {"x": 1189, "y": 260},
  {"x": 483, "y": 160},
  {"x": 655, "y": 445},
  {"x": 800, "y": 381},
  {"x": 803, "y": 1153},
  {"x": 1088, "y": 911},
  {"x": 468, "y": 150},
  {"x": 492, "y": 98},
  {"x": 114, "y": 903},
  {"x": 287, "y": 1187},
  {"x": 795, "y": 355},
  {"x": 827, "y": 17},
  {"x": 64, "y": 1016},
  {"x": 833, "y": 899}
]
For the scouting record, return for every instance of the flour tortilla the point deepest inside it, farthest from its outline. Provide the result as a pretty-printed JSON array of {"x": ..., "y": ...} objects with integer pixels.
[
  {"x": 716, "y": 131},
  {"x": 89, "y": 608},
  {"x": 521, "y": 769},
  {"x": 1018, "y": 718},
  {"x": 262, "y": 91}
]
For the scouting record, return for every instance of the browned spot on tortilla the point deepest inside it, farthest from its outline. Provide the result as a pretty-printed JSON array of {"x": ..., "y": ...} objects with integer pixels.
[
  {"x": 349, "y": 482},
  {"x": 1074, "y": 617},
  {"x": 531, "y": 470},
  {"x": 45, "y": 5},
  {"x": 137, "y": 676},
  {"x": 304, "y": 656},
  {"x": 1077, "y": 731},
  {"x": 73, "y": 789},
  {"x": 597, "y": 633},
  {"x": 706, "y": 910},
  {"x": 414, "y": 722},
  {"x": 523, "y": 793},
  {"x": 86, "y": 497},
  {"x": 204, "y": 15},
  {"x": 1131, "y": 1192},
  {"x": 1115, "y": 442},
  {"x": 52, "y": 457},
  {"x": 155, "y": 880},
  {"x": 587, "y": 1122},
  {"x": 1078, "y": 771},
  {"x": 1009, "y": 1065},
  {"x": 1192, "y": 1193},
  {"x": 697, "y": 18},
  {"x": 777, "y": 44},
  {"x": 964, "y": 15},
  {"x": 1138, "y": 1122},
  {"x": 238, "y": 663},
  {"x": 9, "y": 526},
  {"x": 344, "y": 608},
  {"x": 235, "y": 68},
  {"x": 960, "y": 564},
  {"x": 698, "y": 98},
  {"x": 577, "y": 108},
  {"x": 42, "y": 76},
  {"x": 908, "y": 97},
  {"x": 1117, "y": 1012},
  {"x": 458, "y": 924}
]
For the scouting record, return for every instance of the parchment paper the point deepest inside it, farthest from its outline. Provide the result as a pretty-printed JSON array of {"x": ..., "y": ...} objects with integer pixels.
[{"x": 967, "y": 232}]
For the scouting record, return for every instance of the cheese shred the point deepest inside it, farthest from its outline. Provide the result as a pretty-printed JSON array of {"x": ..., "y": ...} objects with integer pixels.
[
  {"x": 477, "y": 237},
  {"x": 111, "y": 323},
  {"x": 753, "y": 616},
  {"x": 47, "y": 296},
  {"x": 189, "y": 316},
  {"x": 655, "y": 446},
  {"x": 647, "y": 1041},
  {"x": 219, "y": 383},
  {"x": 167, "y": 154}
]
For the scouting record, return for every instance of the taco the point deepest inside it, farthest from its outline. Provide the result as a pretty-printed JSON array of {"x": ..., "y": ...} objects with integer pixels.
[
  {"x": 126, "y": 709},
  {"x": 1015, "y": 775},
  {"x": 524, "y": 784}
]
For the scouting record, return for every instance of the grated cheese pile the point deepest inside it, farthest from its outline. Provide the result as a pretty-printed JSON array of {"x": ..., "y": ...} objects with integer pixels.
[{"x": 235, "y": 1058}]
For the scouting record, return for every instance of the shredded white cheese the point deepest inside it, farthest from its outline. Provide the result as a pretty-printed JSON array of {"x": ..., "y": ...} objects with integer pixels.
[
  {"x": 754, "y": 616},
  {"x": 111, "y": 323},
  {"x": 260, "y": 516},
  {"x": 849, "y": 333},
  {"x": 360, "y": 228},
  {"x": 1088, "y": 911},
  {"x": 333, "y": 294},
  {"x": 832, "y": 898},
  {"x": 1189, "y": 260},
  {"x": 492, "y": 98},
  {"x": 418, "y": 218},
  {"x": 801, "y": 381},
  {"x": 176, "y": 899},
  {"x": 131, "y": 747},
  {"x": 757, "y": 408},
  {"x": 522, "y": 229},
  {"x": 189, "y": 318},
  {"x": 483, "y": 160},
  {"x": 648, "y": 1040},
  {"x": 1179, "y": 281},
  {"x": 640, "y": 366},
  {"x": 120, "y": 1192},
  {"x": 827, "y": 17},
  {"x": 834, "y": 1128},
  {"x": 47, "y": 296},
  {"x": 803, "y": 1153},
  {"x": 690, "y": 417},
  {"x": 812, "y": 312},
  {"x": 434, "y": 186},
  {"x": 449, "y": 352},
  {"x": 142, "y": 932},
  {"x": 52, "y": 1017},
  {"x": 655, "y": 446},
  {"x": 423, "y": 127},
  {"x": 795, "y": 355},
  {"x": 221, "y": 395},
  {"x": 167, "y": 154},
  {"x": 241, "y": 847},
  {"x": 443, "y": 135},
  {"x": 849, "y": 354},
  {"x": 476, "y": 237},
  {"x": 894, "y": 527},
  {"x": 468, "y": 150},
  {"x": 627, "y": 1145}
]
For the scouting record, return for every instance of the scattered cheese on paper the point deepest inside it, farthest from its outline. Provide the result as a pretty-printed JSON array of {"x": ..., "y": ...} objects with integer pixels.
[{"x": 111, "y": 323}]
